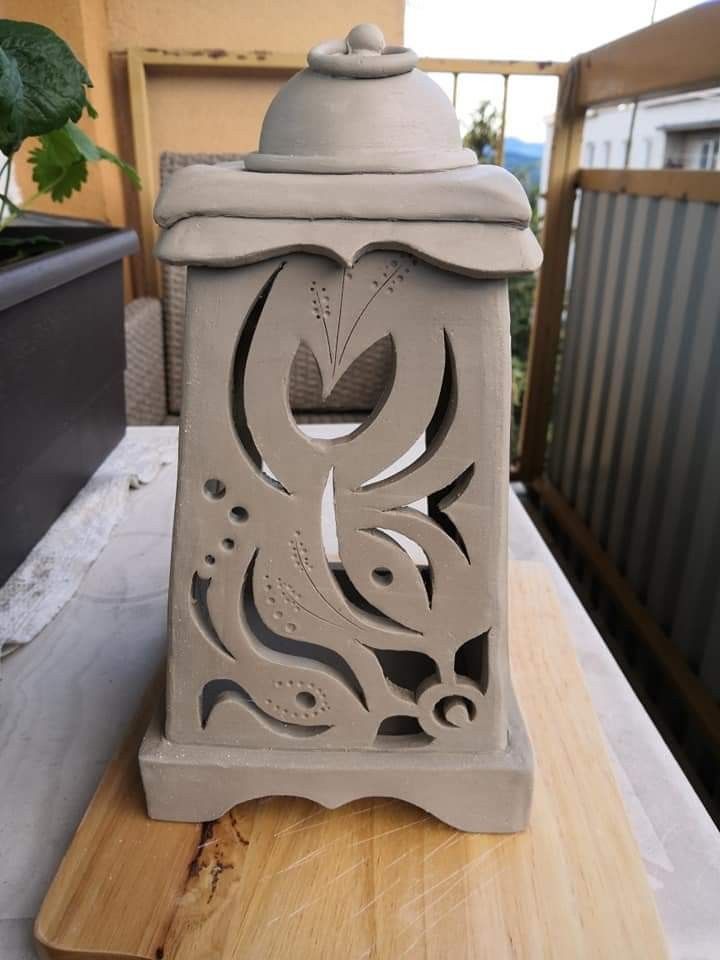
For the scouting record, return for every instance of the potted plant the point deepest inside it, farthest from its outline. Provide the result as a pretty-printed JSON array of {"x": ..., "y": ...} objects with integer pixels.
[{"x": 62, "y": 347}]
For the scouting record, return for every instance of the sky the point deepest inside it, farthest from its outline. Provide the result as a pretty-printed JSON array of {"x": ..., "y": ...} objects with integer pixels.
[{"x": 521, "y": 30}]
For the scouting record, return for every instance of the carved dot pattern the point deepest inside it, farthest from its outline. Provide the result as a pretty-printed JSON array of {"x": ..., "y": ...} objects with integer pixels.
[
  {"x": 282, "y": 590},
  {"x": 320, "y": 302},
  {"x": 289, "y": 594},
  {"x": 301, "y": 686},
  {"x": 299, "y": 553},
  {"x": 399, "y": 275}
]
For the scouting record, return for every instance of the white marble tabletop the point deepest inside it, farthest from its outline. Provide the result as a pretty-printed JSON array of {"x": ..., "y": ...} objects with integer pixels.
[{"x": 67, "y": 697}]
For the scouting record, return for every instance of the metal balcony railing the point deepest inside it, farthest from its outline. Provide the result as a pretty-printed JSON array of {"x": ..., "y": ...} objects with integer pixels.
[{"x": 631, "y": 478}]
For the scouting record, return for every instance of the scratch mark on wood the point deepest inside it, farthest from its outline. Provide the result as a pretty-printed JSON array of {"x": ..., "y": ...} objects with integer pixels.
[
  {"x": 386, "y": 833},
  {"x": 460, "y": 902},
  {"x": 401, "y": 857},
  {"x": 357, "y": 843},
  {"x": 460, "y": 871},
  {"x": 206, "y": 835},
  {"x": 300, "y": 862},
  {"x": 377, "y": 897},
  {"x": 321, "y": 896},
  {"x": 315, "y": 813},
  {"x": 447, "y": 842}
]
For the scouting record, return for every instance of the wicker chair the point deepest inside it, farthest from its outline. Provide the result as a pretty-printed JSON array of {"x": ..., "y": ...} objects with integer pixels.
[{"x": 154, "y": 334}]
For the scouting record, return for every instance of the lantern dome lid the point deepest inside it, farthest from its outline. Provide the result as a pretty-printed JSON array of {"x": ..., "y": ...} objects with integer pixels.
[
  {"x": 360, "y": 107},
  {"x": 361, "y": 151}
]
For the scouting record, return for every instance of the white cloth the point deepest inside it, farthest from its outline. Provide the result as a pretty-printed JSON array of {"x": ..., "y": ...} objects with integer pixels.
[{"x": 52, "y": 572}]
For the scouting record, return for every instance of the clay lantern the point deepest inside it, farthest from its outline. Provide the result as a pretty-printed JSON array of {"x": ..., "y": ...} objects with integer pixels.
[{"x": 380, "y": 669}]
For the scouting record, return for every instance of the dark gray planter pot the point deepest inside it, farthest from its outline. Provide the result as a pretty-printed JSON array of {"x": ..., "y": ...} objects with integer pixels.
[{"x": 62, "y": 359}]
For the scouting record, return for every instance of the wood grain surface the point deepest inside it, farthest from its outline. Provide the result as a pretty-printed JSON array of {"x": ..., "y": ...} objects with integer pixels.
[{"x": 376, "y": 879}]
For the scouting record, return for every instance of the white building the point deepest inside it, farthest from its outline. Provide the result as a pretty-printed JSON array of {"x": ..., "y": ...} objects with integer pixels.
[{"x": 680, "y": 131}]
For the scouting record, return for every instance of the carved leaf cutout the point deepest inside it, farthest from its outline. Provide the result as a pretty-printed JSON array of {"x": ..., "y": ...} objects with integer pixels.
[
  {"x": 200, "y": 613},
  {"x": 292, "y": 651},
  {"x": 383, "y": 572},
  {"x": 227, "y": 698},
  {"x": 237, "y": 393}
]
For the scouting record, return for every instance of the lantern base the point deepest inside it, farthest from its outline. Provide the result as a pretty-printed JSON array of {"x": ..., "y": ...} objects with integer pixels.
[{"x": 475, "y": 792}]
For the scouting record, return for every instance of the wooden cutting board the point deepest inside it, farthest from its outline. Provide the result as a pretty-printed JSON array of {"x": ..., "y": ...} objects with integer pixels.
[{"x": 377, "y": 879}]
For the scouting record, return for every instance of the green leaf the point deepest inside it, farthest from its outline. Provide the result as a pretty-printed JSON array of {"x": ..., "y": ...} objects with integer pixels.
[
  {"x": 14, "y": 249},
  {"x": 126, "y": 168},
  {"x": 92, "y": 153},
  {"x": 43, "y": 84},
  {"x": 82, "y": 141},
  {"x": 59, "y": 168},
  {"x": 60, "y": 163},
  {"x": 11, "y": 89}
]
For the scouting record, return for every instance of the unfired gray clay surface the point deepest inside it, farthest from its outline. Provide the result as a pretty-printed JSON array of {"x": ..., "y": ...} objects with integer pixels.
[{"x": 375, "y": 677}]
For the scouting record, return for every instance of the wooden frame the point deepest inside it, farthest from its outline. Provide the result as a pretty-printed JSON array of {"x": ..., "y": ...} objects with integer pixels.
[
  {"x": 140, "y": 61},
  {"x": 700, "y": 185},
  {"x": 674, "y": 55},
  {"x": 145, "y": 164}
]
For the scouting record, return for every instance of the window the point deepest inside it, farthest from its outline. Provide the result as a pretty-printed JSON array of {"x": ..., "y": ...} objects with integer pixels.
[
  {"x": 709, "y": 150},
  {"x": 648, "y": 152},
  {"x": 608, "y": 152},
  {"x": 589, "y": 154}
]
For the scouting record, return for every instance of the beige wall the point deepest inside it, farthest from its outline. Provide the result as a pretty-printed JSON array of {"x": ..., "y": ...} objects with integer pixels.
[
  {"x": 287, "y": 25},
  {"x": 200, "y": 110},
  {"x": 83, "y": 25},
  {"x": 196, "y": 110}
]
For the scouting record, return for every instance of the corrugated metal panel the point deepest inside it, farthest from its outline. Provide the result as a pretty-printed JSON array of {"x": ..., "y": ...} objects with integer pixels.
[{"x": 636, "y": 435}]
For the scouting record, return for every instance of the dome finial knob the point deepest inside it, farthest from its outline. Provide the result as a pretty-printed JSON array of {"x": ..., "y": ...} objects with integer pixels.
[
  {"x": 365, "y": 38},
  {"x": 362, "y": 54}
]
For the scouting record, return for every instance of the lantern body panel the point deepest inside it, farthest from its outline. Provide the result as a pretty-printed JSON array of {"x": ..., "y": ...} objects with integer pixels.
[{"x": 281, "y": 646}]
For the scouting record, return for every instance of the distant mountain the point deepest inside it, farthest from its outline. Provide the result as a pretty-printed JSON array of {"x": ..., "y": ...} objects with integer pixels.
[
  {"x": 523, "y": 158},
  {"x": 523, "y": 148}
]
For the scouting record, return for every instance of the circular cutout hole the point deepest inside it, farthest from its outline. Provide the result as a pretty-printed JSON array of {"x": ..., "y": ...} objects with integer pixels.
[
  {"x": 306, "y": 700},
  {"x": 238, "y": 514},
  {"x": 214, "y": 489},
  {"x": 228, "y": 544},
  {"x": 382, "y": 576},
  {"x": 209, "y": 559}
]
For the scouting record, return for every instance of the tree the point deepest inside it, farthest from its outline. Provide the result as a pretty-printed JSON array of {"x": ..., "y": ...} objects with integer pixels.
[
  {"x": 483, "y": 135},
  {"x": 521, "y": 292},
  {"x": 482, "y": 138}
]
